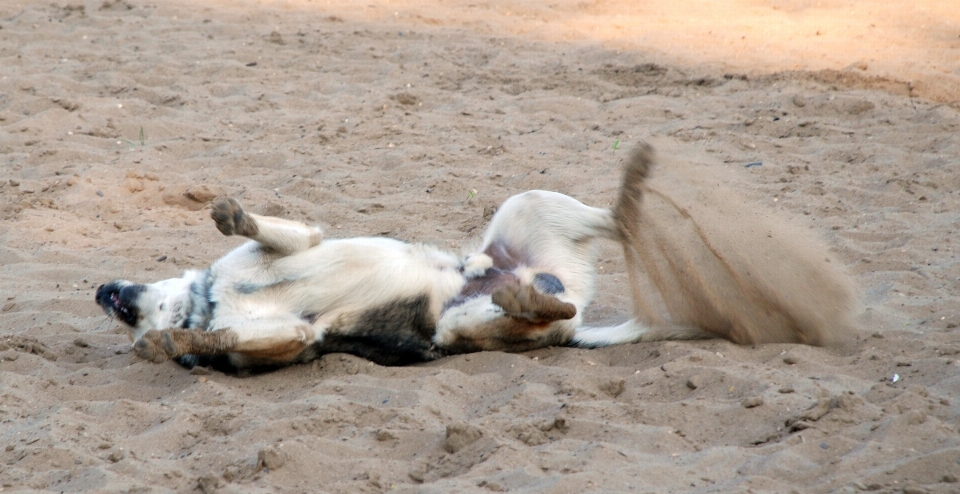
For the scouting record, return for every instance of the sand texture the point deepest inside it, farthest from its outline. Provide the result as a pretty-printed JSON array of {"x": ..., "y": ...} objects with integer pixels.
[{"x": 121, "y": 120}]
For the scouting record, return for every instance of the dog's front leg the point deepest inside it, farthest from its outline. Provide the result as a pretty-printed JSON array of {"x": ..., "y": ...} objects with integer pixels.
[
  {"x": 160, "y": 346},
  {"x": 275, "y": 339},
  {"x": 277, "y": 234}
]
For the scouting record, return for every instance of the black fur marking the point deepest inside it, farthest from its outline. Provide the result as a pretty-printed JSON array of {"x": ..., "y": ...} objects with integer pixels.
[
  {"x": 220, "y": 363},
  {"x": 547, "y": 283},
  {"x": 201, "y": 304},
  {"x": 248, "y": 288},
  {"x": 397, "y": 333}
]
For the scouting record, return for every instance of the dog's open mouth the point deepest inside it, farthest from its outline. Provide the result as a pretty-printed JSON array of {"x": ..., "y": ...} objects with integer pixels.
[{"x": 117, "y": 301}]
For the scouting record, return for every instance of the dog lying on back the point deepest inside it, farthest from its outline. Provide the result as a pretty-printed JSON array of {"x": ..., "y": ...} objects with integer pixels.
[{"x": 289, "y": 296}]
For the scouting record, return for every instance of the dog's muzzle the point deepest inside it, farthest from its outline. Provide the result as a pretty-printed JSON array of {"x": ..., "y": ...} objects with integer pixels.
[{"x": 119, "y": 300}]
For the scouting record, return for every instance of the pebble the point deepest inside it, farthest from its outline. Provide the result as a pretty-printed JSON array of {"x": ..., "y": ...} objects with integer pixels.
[
  {"x": 751, "y": 402},
  {"x": 460, "y": 435},
  {"x": 789, "y": 359},
  {"x": 270, "y": 458}
]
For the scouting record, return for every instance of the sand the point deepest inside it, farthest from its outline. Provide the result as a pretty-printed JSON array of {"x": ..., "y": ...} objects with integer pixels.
[{"x": 120, "y": 121}]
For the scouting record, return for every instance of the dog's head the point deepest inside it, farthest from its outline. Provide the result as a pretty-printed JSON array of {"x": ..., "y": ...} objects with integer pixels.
[{"x": 161, "y": 305}]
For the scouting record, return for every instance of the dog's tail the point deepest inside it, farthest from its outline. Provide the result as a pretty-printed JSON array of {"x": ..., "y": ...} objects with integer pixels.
[
  {"x": 647, "y": 324},
  {"x": 626, "y": 215},
  {"x": 709, "y": 268}
]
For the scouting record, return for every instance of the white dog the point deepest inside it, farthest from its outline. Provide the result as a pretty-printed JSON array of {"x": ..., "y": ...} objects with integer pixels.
[{"x": 289, "y": 296}]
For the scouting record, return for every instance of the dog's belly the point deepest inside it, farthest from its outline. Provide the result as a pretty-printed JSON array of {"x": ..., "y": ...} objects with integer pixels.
[{"x": 486, "y": 284}]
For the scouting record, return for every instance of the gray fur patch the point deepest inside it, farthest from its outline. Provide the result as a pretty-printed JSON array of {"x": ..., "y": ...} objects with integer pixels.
[
  {"x": 201, "y": 306},
  {"x": 547, "y": 283}
]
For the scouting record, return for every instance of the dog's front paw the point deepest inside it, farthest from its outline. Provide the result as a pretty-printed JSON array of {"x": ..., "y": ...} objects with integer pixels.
[
  {"x": 231, "y": 219},
  {"x": 476, "y": 265},
  {"x": 151, "y": 347}
]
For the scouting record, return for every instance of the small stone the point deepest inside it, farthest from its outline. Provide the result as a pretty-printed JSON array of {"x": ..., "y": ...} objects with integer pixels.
[
  {"x": 116, "y": 456},
  {"x": 7, "y": 307},
  {"x": 383, "y": 435},
  {"x": 751, "y": 402},
  {"x": 200, "y": 371},
  {"x": 915, "y": 417},
  {"x": 613, "y": 388},
  {"x": 460, "y": 436},
  {"x": 785, "y": 390},
  {"x": 201, "y": 194},
  {"x": 799, "y": 101},
  {"x": 949, "y": 479},
  {"x": 208, "y": 483},
  {"x": 417, "y": 474},
  {"x": 270, "y": 458},
  {"x": 790, "y": 360}
]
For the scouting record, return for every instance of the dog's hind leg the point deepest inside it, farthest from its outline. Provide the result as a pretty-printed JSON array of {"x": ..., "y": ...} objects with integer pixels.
[
  {"x": 514, "y": 318},
  {"x": 634, "y": 331},
  {"x": 525, "y": 302},
  {"x": 279, "y": 235}
]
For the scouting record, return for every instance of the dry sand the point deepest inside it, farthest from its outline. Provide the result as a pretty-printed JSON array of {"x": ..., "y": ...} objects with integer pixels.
[{"x": 119, "y": 121}]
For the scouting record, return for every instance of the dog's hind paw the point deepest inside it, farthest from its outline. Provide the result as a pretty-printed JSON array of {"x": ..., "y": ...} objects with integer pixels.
[
  {"x": 231, "y": 219},
  {"x": 525, "y": 302}
]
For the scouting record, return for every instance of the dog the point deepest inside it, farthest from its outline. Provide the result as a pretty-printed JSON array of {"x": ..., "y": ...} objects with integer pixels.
[{"x": 289, "y": 296}]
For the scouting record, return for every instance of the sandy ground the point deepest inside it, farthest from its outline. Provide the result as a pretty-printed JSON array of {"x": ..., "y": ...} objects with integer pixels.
[{"x": 120, "y": 121}]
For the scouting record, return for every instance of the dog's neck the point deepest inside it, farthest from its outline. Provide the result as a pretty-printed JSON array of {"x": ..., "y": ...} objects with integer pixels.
[{"x": 202, "y": 307}]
